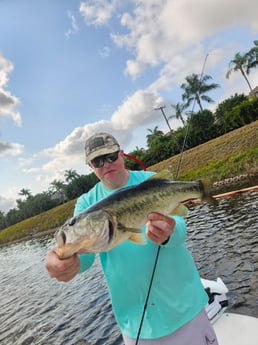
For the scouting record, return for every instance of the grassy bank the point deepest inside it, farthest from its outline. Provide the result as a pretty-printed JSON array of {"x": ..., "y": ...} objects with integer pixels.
[
  {"x": 233, "y": 154},
  {"x": 45, "y": 222}
]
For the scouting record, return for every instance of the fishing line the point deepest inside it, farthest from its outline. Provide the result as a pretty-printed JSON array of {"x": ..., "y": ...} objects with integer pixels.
[
  {"x": 176, "y": 175},
  {"x": 148, "y": 295}
]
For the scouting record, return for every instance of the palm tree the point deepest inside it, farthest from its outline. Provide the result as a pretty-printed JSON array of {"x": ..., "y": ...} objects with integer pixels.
[
  {"x": 196, "y": 88},
  {"x": 154, "y": 136},
  {"x": 71, "y": 175},
  {"x": 25, "y": 192},
  {"x": 240, "y": 63},
  {"x": 57, "y": 186},
  {"x": 179, "y": 108},
  {"x": 252, "y": 59}
]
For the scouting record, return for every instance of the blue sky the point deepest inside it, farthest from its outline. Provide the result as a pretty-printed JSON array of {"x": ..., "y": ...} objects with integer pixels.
[{"x": 71, "y": 68}]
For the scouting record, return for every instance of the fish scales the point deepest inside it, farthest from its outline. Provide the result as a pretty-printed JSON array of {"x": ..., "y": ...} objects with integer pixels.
[
  {"x": 148, "y": 197},
  {"x": 120, "y": 216}
]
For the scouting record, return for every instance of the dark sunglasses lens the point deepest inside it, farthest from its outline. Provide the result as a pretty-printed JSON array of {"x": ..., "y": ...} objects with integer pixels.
[
  {"x": 112, "y": 157},
  {"x": 98, "y": 162}
]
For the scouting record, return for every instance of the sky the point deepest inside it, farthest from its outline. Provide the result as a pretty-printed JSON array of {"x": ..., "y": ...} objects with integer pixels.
[{"x": 69, "y": 69}]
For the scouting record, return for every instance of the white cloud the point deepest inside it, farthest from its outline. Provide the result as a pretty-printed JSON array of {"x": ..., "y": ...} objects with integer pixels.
[
  {"x": 6, "y": 204},
  {"x": 6, "y": 67},
  {"x": 74, "y": 27},
  {"x": 8, "y": 102},
  {"x": 12, "y": 149},
  {"x": 8, "y": 201},
  {"x": 158, "y": 31},
  {"x": 98, "y": 12},
  {"x": 105, "y": 52},
  {"x": 136, "y": 110},
  {"x": 134, "y": 68}
]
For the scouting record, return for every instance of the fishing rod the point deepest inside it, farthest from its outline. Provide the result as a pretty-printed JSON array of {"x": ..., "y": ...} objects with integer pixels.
[
  {"x": 188, "y": 124},
  {"x": 176, "y": 175}
]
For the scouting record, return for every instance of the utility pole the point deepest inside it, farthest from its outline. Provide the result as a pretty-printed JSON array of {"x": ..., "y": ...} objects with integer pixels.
[{"x": 163, "y": 113}]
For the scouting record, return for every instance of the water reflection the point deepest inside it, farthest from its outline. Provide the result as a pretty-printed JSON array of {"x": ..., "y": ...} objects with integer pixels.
[{"x": 38, "y": 310}]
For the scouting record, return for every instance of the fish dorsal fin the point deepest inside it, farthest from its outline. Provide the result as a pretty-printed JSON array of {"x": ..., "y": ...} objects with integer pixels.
[{"x": 163, "y": 174}]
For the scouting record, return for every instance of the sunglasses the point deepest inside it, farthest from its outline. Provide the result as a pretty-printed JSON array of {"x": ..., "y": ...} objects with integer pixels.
[{"x": 98, "y": 162}]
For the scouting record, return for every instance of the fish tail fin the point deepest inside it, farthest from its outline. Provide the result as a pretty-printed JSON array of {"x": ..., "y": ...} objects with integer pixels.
[{"x": 206, "y": 196}]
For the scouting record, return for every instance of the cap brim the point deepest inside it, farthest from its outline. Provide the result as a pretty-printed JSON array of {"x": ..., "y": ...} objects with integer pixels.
[{"x": 102, "y": 151}]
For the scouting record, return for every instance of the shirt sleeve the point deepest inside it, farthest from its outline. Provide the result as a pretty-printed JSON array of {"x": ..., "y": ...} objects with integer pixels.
[
  {"x": 82, "y": 203},
  {"x": 86, "y": 260}
]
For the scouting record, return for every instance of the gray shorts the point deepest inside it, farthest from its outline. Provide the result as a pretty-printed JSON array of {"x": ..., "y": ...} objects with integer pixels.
[{"x": 198, "y": 331}]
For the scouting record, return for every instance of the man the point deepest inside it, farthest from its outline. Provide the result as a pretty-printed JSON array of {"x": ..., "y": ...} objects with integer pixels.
[{"x": 175, "y": 313}]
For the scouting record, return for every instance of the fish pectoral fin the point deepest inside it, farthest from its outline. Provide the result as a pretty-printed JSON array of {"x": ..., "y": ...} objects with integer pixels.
[
  {"x": 180, "y": 210},
  {"x": 137, "y": 238},
  {"x": 124, "y": 228},
  {"x": 136, "y": 235}
]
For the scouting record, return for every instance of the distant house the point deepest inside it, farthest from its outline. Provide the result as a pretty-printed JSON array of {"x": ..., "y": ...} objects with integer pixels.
[
  {"x": 254, "y": 92},
  {"x": 58, "y": 197}
]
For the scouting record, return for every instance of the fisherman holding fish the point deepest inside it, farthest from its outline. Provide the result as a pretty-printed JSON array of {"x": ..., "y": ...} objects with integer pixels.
[{"x": 109, "y": 220}]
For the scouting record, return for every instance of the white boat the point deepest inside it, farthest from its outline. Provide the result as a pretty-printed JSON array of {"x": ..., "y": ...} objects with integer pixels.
[{"x": 230, "y": 328}]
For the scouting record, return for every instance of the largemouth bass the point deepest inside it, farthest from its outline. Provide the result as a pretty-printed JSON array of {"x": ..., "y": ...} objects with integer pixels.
[{"x": 120, "y": 216}]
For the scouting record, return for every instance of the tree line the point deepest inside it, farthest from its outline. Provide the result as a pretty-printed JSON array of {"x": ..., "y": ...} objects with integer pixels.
[
  {"x": 58, "y": 193},
  {"x": 201, "y": 126}
]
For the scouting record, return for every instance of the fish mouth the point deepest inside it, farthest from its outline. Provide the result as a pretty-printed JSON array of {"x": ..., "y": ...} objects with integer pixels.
[{"x": 60, "y": 238}]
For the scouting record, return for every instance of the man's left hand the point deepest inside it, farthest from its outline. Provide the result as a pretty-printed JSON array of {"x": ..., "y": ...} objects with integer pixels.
[{"x": 159, "y": 227}]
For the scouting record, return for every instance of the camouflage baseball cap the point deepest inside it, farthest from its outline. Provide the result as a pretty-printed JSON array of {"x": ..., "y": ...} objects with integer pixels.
[{"x": 100, "y": 144}]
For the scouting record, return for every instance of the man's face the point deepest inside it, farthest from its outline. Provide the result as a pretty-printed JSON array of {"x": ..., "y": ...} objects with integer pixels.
[{"x": 112, "y": 173}]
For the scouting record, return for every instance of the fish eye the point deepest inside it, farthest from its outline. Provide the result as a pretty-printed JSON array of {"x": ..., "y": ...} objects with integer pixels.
[{"x": 72, "y": 221}]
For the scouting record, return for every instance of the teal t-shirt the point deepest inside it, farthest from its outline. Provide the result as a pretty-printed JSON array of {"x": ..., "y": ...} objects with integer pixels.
[{"x": 177, "y": 294}]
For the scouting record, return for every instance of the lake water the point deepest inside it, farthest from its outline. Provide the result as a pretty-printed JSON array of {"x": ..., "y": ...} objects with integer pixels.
[{"x": 38, "y": 310}]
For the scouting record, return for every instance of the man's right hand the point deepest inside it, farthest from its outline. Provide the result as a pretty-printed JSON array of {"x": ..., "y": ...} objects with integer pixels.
[{"x": 63, "y": 270}]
